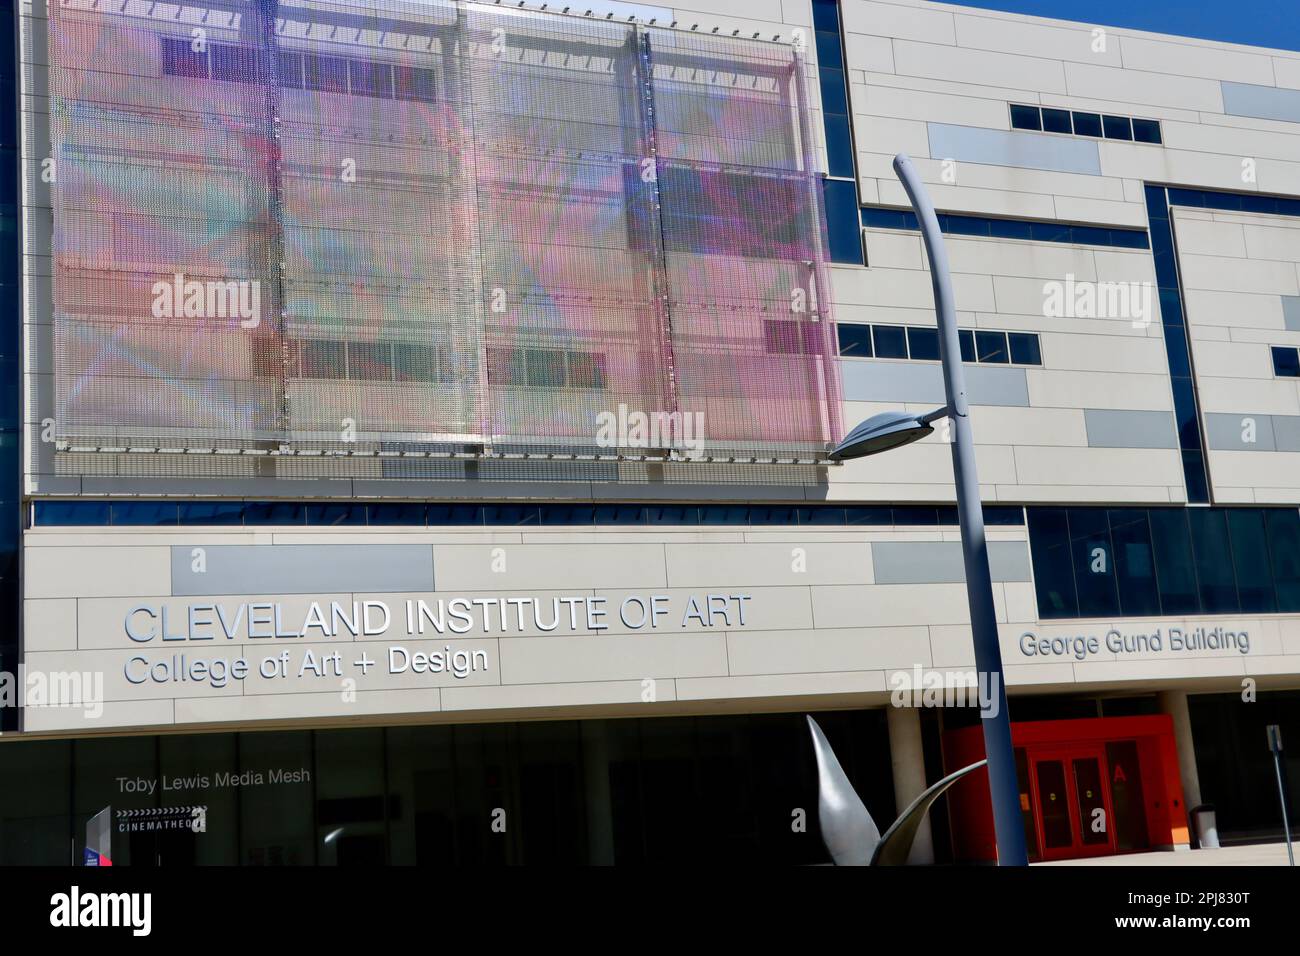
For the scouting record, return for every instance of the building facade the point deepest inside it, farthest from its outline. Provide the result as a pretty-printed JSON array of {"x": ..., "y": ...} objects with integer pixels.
[{"x": 416, "y": 422}]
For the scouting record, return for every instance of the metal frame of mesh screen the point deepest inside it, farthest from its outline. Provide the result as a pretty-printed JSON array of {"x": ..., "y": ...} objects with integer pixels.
[{"x": 426, "y": 227}]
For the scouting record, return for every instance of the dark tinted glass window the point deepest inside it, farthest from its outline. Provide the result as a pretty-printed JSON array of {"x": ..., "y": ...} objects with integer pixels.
[
  {"x": 235, "y": 64},
  {"x": 1087, "y": 124},
  {"x": 145, "y": 512},
  {"x": 923, "y": 343},
  {"x": 1135, "y": 571},
  {"x": 1025, "y": 117},
  {"x": 212, "y": 512},
  {"x": 71, "y": 513},
  {"x": 289, "y": 67},
  {"x": 1094, "y": 562},
  {"x": 843, "y": 225},
  {"x": 1286, "y": 362},
  {"x": 1056, "y": 121},
  {"x": 328, "y": 74},
  {"x": 1283, "y": 526},
  {"x": 546, "y": 368},
  {"x": 371, "y": 79},
  {"x": 336, "y": 514},
  {"x": 1175, "y": 571},
  {"x": 890, "y": 341},
  {"x": 400, "y": 513},
  {"x": 991, "y": 347},
  {"x": 274, "y": 512},
  {"x": 822, "y": 515},
  {"x": 855, "y": 340},
  {"x": 414, "y": 83},
  {"x": 180, "y": 60},
  {"x": 1250, "y": 560},
  {"x": 619, "y": 514},
  {"x": 673, "y": 514},
  {"x": 967, "y": 339},
  {"x": 1024, "y": 348},
  {"x": 568, "y": 514},
  {"x": 834, "y": 99},
  {"x": 1117, "y": 127},
  {"x": 1049, "y": 539},
  {"x": 1212, "y": 550},
  {"x": 459, "y": 515},
  {"x": 872, "y": 516},
  {"x": 1146, "y": 131}
]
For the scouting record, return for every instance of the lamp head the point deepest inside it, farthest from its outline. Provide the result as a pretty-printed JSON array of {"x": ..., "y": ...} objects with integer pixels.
[{"x": 881, "y": 433}]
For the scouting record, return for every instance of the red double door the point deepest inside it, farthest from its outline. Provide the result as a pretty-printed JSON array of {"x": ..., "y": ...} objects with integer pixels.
[{"x": 1071, "y": 802}]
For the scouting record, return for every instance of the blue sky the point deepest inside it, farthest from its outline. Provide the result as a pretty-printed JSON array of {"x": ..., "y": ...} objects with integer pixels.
[{"x": 1271, "y": 23}]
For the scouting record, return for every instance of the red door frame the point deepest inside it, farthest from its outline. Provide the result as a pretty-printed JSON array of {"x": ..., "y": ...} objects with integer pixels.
[{"x": 971, "y": 814}]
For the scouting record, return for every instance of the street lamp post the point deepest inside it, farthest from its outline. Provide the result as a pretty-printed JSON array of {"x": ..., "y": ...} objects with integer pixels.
[{"x": 892, "y": 429}]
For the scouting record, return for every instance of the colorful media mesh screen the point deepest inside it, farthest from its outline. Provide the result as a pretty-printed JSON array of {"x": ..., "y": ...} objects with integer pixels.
[{"x": 288, "y": 225}]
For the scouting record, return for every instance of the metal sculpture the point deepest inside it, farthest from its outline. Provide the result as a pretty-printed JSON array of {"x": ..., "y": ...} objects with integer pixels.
[{"x": 850, "y": 834}]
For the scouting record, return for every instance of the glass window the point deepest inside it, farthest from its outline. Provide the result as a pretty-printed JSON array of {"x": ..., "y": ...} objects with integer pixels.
[
  {"x": 351, "y": 829},
  {"x": 828, "y": 49},
  {"x": 724, "y": 514},
  {"x": 414, "y": 83},
  {"x": 991, "y": 347},
  {"x": 545, "y": 368},
  {"x": 1146, "y": 131},
  {"x": 276, "y": 822},
  {"x": 1025, "y": 117},
  {"x": 1283, "y": 525},
  {"x": 437, "y": 516},
  {"x": 1087, "y": 124},
  {"x": 1024, "y": 348},
  {"x": 821, "y": 515},
  {"x": 1094, "y": 562},
  {"x": 916, "y": 515},
  {"x": 503, "y": 515},
  {"x": 855, "y": 340},
  {"x": 1250, "y": 560},
  {"x": 289, "y": 70},
  {"x": 843, "y": 225},
  {"x": 923, "y": 343},
  {"x": 568, "y": 514},
  {"x": 869, "y": 516},
  {"x": 371, "y": 79},
  {"x": 1117, "y": 127},
  {"x": 71, "y": 513},
  {"x": 619, "y": 514},
  {"x": 1212, "y": 550},
  {"x": 274, "y": 512},
  {"x": 329, "y": 74},
  {"x": 1049, "y": 540},
  {"x": 235, "y": 64},
  {"x": 1175, "y": 569},
  {"x": 179, "y": 59},
  {"x": 834, "y": 99},
  {"x": 212, "y": 512},
  {"x": 967, "y": 340},
  {"x": 336, "y": 514},
  {"x": 1135, "y": 570},
  {"x": 839, "y": 145},
  {"x": 1286, "y": 362},
  {"x": 1056, "y": 121},
  {"x": 145, "y": 513},
  {"x": 397, "y": 513},
  {"x": 673, "y": 514},
  {"x": 890, "y": 341}
]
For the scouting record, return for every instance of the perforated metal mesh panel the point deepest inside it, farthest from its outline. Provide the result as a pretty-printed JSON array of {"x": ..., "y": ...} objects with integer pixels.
[{"x": 404, "y": 229}]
